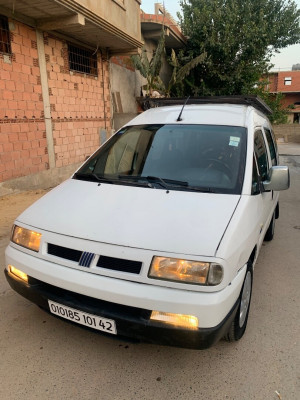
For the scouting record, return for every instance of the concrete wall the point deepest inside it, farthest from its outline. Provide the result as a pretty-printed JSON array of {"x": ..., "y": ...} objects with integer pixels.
[
  {"x": 121, "y": 13},
  {"x": 126, "y": 85},
  {"x": 126, "y": 82},
  {"x": 42, "y": 180},
  {"x": 287, "y": 133}
]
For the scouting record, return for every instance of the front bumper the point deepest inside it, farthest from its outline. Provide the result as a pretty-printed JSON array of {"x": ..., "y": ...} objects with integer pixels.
[{"x": 131, "y": 322}]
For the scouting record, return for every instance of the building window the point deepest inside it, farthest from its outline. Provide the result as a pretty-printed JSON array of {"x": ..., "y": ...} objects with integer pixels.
[
  {"x": 288, "y": 81},
  {"x": 82, "y": 60},
  {"x": 4, "y": 36}
]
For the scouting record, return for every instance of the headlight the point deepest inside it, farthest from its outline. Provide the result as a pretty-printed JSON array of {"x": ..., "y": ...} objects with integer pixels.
[
  {"x": 185, "y": 271},
  {"x": 26, "y": 238}
]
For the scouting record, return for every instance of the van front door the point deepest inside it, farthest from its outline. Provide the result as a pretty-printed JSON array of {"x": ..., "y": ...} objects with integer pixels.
[{"x": 262, "y": 161}]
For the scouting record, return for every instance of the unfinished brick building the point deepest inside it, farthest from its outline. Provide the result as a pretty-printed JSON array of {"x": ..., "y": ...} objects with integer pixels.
[
  {"x": 55, "y": 105},
  {"x": 288, "y": 83}
]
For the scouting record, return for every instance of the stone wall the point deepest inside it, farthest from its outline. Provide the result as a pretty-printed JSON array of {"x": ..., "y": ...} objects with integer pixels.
[{"x": 287, "y": 133}]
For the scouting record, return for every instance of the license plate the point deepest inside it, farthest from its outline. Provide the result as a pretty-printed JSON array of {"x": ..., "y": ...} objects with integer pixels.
[{"x": 83, "y": 318}]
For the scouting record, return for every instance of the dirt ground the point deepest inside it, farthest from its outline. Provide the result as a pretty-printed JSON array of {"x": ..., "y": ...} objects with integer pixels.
[{"x": 12, "y": 205}]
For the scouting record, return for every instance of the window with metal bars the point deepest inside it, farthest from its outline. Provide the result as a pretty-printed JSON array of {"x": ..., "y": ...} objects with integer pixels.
[
  {"x": 82, "y": 60},
  {"x": 4, "y": 36}
]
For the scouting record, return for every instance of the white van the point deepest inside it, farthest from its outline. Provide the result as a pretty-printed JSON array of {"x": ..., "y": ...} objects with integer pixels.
[{"x": 155, "y": 237}]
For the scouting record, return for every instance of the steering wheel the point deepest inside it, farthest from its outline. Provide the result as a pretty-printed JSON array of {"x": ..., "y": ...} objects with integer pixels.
[{"x": 221, "y": 166}]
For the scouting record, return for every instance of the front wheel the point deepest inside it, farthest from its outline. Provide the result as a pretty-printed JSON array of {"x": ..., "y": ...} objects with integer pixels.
[{"x": 238, "y": 325}]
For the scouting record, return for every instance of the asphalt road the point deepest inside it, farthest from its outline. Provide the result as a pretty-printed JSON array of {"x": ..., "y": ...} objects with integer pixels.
[{"x": 42, "y": 357}]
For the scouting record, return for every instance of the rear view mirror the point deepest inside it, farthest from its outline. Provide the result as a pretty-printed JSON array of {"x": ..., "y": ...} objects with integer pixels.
[{"x": 279, "y": 179}]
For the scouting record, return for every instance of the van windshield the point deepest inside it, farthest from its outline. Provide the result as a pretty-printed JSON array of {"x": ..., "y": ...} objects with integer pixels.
[{"x": 178, "y": 157}]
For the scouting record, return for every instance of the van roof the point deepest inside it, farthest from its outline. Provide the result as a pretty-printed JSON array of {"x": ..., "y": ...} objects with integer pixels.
[
  {"x": 250, "y": 100},
  {"x": 203, "y": 114}
]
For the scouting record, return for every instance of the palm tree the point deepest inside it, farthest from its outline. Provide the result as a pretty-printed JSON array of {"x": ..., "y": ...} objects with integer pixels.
[
  {"x": 179, "y": 73},
  {"x": 150, "y": 69}
]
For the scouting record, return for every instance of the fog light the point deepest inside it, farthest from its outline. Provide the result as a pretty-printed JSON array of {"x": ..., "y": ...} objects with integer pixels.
[
  {"x": 180, "y": 320},
  {"x": 18, "y": 273}
]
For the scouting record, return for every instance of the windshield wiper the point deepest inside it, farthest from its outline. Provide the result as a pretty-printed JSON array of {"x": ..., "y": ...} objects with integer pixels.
[
  {"x": 164, "y": 182},
  {"x": 103, "y": 178},
  {"x": 200, "y": 189},
  {"x": 161, "y": 181},
  {"x": 100, "y": 178},
  {"x": 135, "y": 179},
  {"x": 167, "y": 183},
  {"x": 93, "y": 177},
  {"x": 149, "y": 179}
]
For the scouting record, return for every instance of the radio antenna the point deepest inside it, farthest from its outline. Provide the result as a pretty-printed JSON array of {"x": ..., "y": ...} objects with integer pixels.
[{"x": 179, "y": 116}]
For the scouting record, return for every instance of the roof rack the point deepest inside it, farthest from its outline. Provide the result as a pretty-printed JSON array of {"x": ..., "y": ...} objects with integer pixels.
[{"x": 250, "y": 100}]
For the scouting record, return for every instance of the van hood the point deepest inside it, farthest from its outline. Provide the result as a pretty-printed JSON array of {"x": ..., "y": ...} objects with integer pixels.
[{"x": 176, "y": 221}]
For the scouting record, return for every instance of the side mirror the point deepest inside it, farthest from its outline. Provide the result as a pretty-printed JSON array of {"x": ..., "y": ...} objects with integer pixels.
[{"x": 279, "y": 179}]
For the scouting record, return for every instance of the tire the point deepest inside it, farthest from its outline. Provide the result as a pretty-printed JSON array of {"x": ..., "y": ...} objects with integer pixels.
[
  {"x": 239, "y": 324},
  {"x": 277, "y": 211},
  {"x": 271, "y": 229}
]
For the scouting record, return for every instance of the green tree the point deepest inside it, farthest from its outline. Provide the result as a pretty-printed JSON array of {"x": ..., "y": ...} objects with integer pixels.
[
  {"x": 239, "y": 37},
  {"x": 274, "y": 101}
]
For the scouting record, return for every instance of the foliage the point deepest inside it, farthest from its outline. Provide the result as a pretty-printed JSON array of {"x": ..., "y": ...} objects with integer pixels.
[
  {"x": 150, "y": 69},
  {"x": 274, "y": 101},
  {"x": 179, "y": 73},
  {"x": 239, "y": 37}
]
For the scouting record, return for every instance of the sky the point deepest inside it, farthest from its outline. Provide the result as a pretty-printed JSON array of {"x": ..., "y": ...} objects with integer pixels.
[{"x": 282, "y": 61}]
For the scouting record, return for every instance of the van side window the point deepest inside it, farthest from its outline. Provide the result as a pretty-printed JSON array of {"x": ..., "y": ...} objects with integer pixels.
[
  {"x": 255, "y": 178},
  {"x": 271, "y": 144},
  {"x": 261, "y": 154}
]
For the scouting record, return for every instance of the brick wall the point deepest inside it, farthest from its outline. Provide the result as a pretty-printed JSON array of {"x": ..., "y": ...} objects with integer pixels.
[
  {"x": 295, "y": 83},
  {"x": 123, "y": 61},
  {"x": 79, "y": 104},
  {"x": 23, "y": 146}
]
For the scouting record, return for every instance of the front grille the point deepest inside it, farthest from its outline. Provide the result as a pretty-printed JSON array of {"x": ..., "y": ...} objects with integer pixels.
[
  {"x": 118, "y": 264},
  {"x": 64, "y": 252},
  {"x": 85, "y": 259}
]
